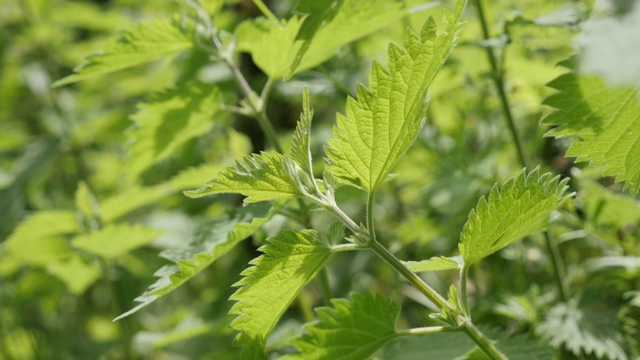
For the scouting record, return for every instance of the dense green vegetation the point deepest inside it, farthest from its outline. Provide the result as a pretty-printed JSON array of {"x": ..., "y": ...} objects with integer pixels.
[{"x": 474, "y": 197}]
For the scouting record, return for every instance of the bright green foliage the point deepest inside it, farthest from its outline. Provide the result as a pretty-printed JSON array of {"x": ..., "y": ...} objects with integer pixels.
[
  {"x": 272, "y": 45},
  {"x": 85, "y": 201},
  {"x": 140, "y": 44},
  {"x": 260, "y": 177},
  {"x": 582, "y": 332},
  {"x": 128, "y": 200},
  {"x": 170, "y": 119},
  {"x": 133, "y": 198},
  {"x": 604, "y": 119},
  {"x": 605, "y": 207},
  {"x": 384, "y": 121},
  {"x": 113, "y": 241},
  {"x": 301, "y": 142},
  {"x": 212, "y": 242},
  {"x": 438, "y": 263},
  {"x": 317, "y": 13},
  {"x": 351, "y": 329},
  {"x": 519, "y": 208},
  {"x": 275, "y": 47},
  {"x": 75, "y": 272},
  {"x": 38, "y": 240},
  {"x": 291, "y": 259}
]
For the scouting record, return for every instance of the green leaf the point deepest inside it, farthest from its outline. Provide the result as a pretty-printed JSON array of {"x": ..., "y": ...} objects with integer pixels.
[
  {"x": 519, "y": 208},
  {"x": 142, "y": 43},
  {"x": 136, "y": 197},
  {"x": 260, "y": 177},
  {"x": 607, "y": 208},
  {"x": 384, "y": 121},
  {"x": 290, "y": 260},
  {"x": 277, "y": 48},
  {"x": 351, "y": 329},
  {"x": 605, "y": 122},
  {"x": 443, "y": 346},
  {"x": 38, "y": 241},
  {"x": 438, "y": 263},
  {"x": 86, "y": 202},
  {"x": 113, "y": 241},
  {"x": 318, "y": 13},
  {"x": 354, "y": 20},
  {"x": 170, "y": 119},
  {"x": 75, "y": 273},
  {"x": 301, "y": 142},
  {"x": 584, "y": 332},
  {"x": 212, "y": 242},
  {"x": 129, "y": 200},
  {"x": 272, "y": 45},
  {"x": 44, "y": 224}
]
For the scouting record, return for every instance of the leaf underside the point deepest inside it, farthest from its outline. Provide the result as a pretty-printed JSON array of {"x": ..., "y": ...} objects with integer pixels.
[
  {"x": 520, "y": 207},
  {"x": 290, "y": 260},
  {"x": 212, "y": 242},
  {"x": 140, "y": 44},
  {"x": 605, "y": 120},
  {"x": 384, "y": 121},
  {"x": 349, "y": 330},
  {"x": 259, "y": 177}
]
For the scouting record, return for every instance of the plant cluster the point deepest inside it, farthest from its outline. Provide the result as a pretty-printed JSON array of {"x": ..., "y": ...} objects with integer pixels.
[{"x": 440, "y": 215}]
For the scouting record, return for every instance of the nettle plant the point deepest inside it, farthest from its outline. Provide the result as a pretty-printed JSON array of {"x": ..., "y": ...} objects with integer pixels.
[{"x": 373, "y": 133}]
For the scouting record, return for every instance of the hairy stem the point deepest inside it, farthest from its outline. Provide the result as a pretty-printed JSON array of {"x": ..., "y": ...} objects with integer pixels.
[
  {"x": 483, "y": 342},
  {"x": 370, "y": 226},
  {"x": 412, "y": 277},
  {"x": 464, "y": 296}
]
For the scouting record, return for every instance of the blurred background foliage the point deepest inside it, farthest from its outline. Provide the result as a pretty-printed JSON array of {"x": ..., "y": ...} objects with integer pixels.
[{"x": 67, "y": 156}]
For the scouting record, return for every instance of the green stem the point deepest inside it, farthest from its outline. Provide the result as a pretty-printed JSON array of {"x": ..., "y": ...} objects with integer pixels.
[
  {"x": 464, "y": 273},
  {"x": 327, "y": 294},
  {"x": 558, "y": 267},
  {"x": 498, "y": 79},
  {"x": 125, "y": 330},
  {"x": 266, "y": 12},
  {"x": 483, "y": 342},
  {"x": 412, "y": 277},
  {"x": 370, "y": 226}
]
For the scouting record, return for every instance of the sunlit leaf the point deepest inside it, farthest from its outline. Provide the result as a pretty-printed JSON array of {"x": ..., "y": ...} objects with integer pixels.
[
  {"x": 384, "y": 121},
  {"x": 276, "y": 48},
  {"x": 210, "y": 243},
  {"x": 603, "y": 120},
  {"x": 350, "y": 330},
  {"x": 301, "y": 142},
  {"x": 38, "y": 241},
  {"x": 518, "y": 208},
  {"x": 291, "y": 259},
  {"x": 140, "y": 44},
  {"x": 260, "y": 177},
  {"x": 76, "y": 273},
  {"x": 168, "y": 120},
  {"x": 113, "y": 241}
]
